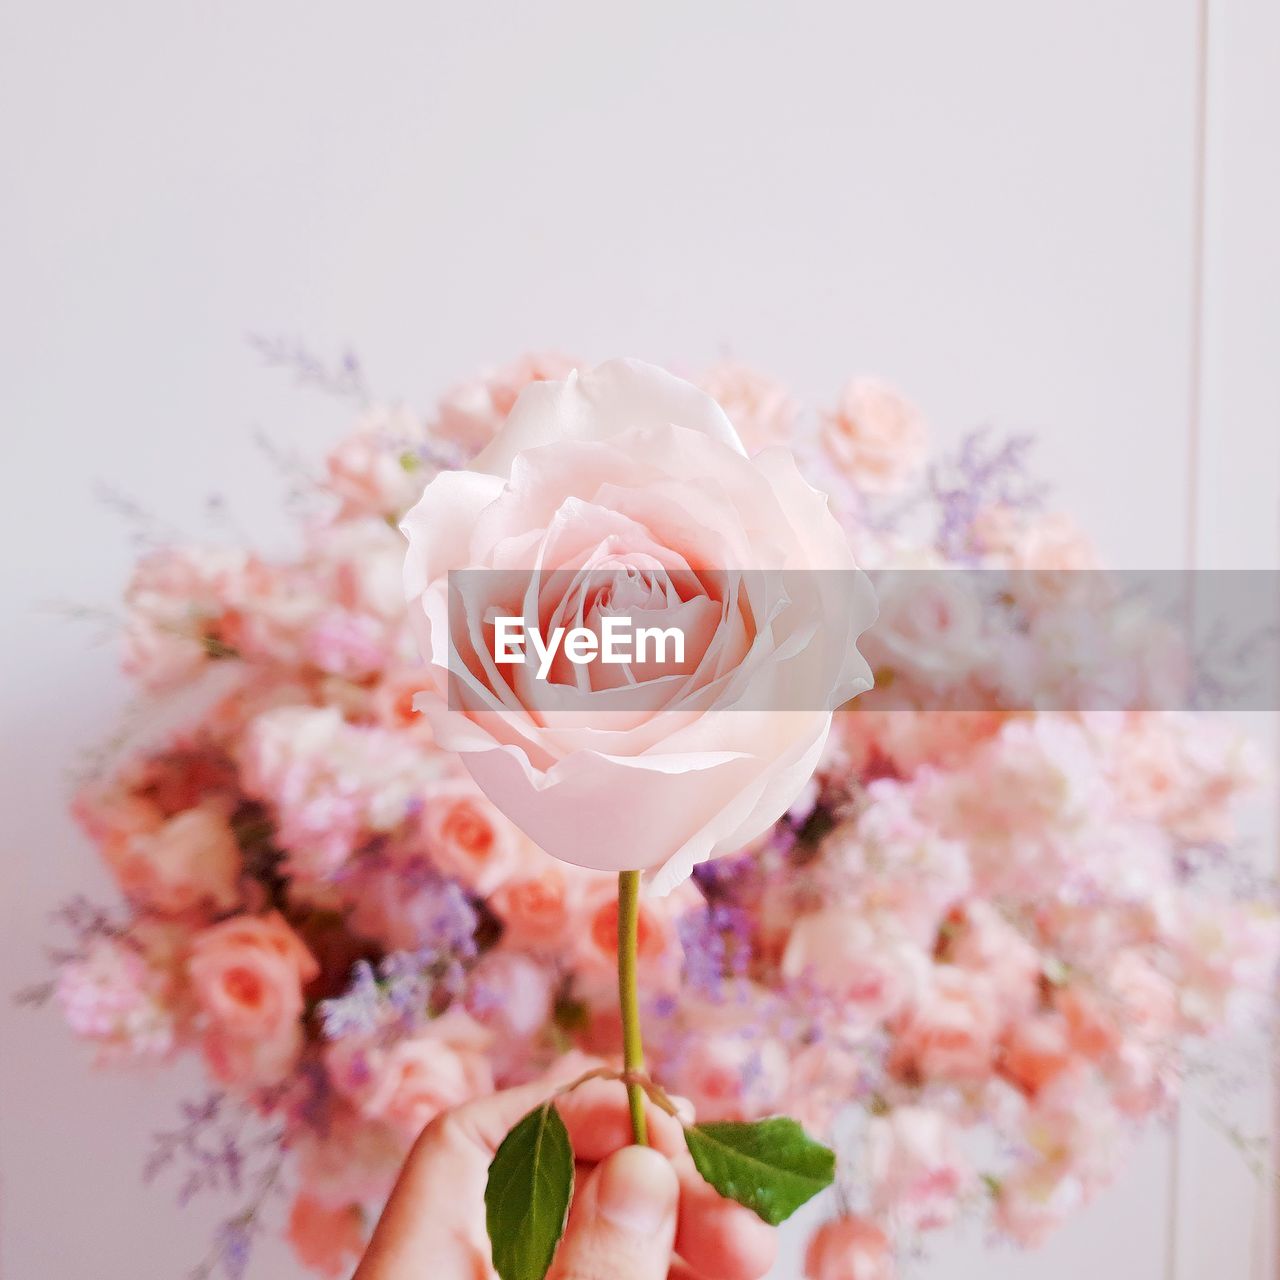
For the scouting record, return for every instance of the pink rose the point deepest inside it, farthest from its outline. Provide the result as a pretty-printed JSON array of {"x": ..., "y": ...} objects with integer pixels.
[
  {"x": 1145, "y": 1000},
  {"x": 870, "y": 966},
  {"x": 761, "y": 409},
  {"x": 119, "y": 995},
  {"x": 874, "y": 436},
  {"x": 325, "y": 1240},
  {"x": 909, "y": 740},
  {"x": 375, "y": 470},
  {"x": 1036, "y": 1052},
  {"x": 823, "y": 1077},
  {"x": 1055, "y": 543},
  {"x": 931, "y": 628},
  {"x": 1034, "y": 1202},
  {"x": 595, "y": 936},
  {"x": 347, "y": 644},
  {"x": 471, "y": 414},
  {"x": 247, "y": 975},
  {"x": 409, "y": 1083},
  {"x": 537, "y": 910},
  {"x": 732, "y": 1075},
  {"x": 915, "y": 1167},
  {"x": 392, "y": 703},
  {"x": 190, "y": 860},
  {"x": 892, "y": 866},
  {"x": 511, "y": 994},
  {"x": 630, "y": 473},
  {"x": 468, "y": 838},
  {"x": 985, "y": 942},
  {"x": 949, "y": 1033},
  {"x": 347, "y": 1158},
  {"x": 395, "y": 904},
  {"x": 849, "y": 1248}
]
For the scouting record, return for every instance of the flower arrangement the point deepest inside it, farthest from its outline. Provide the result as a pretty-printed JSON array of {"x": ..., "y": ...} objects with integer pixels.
[{"x": 985, "y": 938}]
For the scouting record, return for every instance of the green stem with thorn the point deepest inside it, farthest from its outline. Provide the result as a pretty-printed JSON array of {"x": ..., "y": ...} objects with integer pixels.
[{"x": 628, "y": 999}]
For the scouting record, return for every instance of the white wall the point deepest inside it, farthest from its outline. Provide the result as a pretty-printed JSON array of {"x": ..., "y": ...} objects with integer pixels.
[{"x": 993, "y": 204}]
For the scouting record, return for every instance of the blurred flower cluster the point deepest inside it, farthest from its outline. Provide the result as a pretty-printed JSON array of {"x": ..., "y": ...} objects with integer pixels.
[{"x": 989, "y": 937}]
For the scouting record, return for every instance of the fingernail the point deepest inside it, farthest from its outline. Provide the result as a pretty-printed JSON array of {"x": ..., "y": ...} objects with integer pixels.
[{"x": 637, "y": 1190}]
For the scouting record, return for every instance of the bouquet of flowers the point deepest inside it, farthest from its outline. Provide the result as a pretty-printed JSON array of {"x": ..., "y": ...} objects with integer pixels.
[{"x": 985, "y": 939}]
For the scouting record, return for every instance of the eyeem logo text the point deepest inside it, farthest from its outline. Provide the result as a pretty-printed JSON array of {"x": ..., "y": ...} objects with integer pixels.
[{"x": 618, "y": 642}]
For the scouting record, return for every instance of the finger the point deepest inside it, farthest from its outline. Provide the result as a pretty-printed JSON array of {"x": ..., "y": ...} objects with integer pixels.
[
  {"x": 717, "y": 1237},
  {"x": 420, "y": 1231},
  {"x": 486, "y": 1121},
  {"x": 623, "y": 1224},
  {"x": 598, "y": 1119}
]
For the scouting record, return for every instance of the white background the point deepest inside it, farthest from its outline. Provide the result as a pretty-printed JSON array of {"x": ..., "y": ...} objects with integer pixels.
[{"x": 1057, "y": 216}]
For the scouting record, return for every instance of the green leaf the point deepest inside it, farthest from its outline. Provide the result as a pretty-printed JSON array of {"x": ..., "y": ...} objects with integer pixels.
[
  {"x": 771, "y": 1166},
  {"x": 527, "y": 1196}
]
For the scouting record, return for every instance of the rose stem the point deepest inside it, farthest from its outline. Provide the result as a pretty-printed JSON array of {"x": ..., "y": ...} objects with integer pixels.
[{"x": 628, "y": 1002}]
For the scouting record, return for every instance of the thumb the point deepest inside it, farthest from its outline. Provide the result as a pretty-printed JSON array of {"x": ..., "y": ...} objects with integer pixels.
[{"x": 623, "y": 1225}]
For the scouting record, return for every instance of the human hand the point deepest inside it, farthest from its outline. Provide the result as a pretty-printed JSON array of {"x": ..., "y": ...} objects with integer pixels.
[{"x": 639, "y": 1213}]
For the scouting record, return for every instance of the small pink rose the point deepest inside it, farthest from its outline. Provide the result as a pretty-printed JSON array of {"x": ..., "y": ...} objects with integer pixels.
[
  {"x": 761, "y": 409},
  {"x": 1036, "y": 1051},
  {"x": 875, "y": 437},
  {"x": 375, "y": 470},
  {"x": 595, "y": 935},
  {"x": 931, "y": 628},
  {"x": 985, "y": 942},
  {"x": 472, "y": 413},
  {"x": 191, "y": 860},
  {"x": 467, "y": 838},
  {"x": 410, "y": 1082},
  {"x": 869, "y": 965},
  {"x": 247, "y": 975},
  {"x": 949, "y": 1033},
  {"x": 537, "y": 910}
]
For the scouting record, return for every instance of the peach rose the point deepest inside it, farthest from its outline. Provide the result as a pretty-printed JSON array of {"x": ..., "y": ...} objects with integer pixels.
[
  {"x": 409, "y": 1083},
  {"x": 247, "y": 975},
  {"x": 874, "y": 436},
  {"x": 761, "y": 409},
  {"x": 537, "y": 910},
  {"x": 471, "y": 413},
  {"x": 375, "y": 470},
  {"x": 626, "y": 491},
  {"x": 950, "y": 1032},
  {"x": 849, "y": 1248},
  {"x": 189, "y": 860},
  {"x": 595, "y": 935},
  {"x": 987, "y": 943},
  {"x": 1036, "y": 1052},
  {"x": 468, "y": 838}
]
